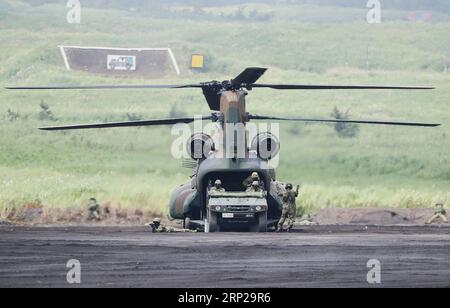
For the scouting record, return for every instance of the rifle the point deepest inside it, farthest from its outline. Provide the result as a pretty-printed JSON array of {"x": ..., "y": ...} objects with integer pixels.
[{"x": 153, "y": 228}]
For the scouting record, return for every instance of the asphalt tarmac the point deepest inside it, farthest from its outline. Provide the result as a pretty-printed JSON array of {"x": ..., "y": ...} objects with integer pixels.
[{"x": 316, "y": 256}]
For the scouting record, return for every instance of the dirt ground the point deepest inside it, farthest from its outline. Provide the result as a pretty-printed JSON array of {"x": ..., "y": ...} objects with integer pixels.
[
  {"x": 374, "y": 216},
  {"x": 314, "y": 256}
]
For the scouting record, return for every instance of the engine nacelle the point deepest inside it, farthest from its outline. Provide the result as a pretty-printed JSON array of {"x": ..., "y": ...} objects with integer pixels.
[
  {"x": 199, "y": 146},
  {"x": 266, "y": 145}
]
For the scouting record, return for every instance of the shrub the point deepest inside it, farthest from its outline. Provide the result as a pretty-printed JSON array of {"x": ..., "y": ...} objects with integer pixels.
[
  {"x": 12, "y": 116},
  {"x": 45, "y": 113},
  {"x": 344, "y": 130}
]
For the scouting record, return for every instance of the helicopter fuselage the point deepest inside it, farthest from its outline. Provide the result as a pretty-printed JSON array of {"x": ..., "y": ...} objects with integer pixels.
[{"x": 232, "y": 162}]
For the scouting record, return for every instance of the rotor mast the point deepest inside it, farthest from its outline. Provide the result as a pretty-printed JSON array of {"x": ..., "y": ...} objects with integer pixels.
[{"x": 233, "y": 121}]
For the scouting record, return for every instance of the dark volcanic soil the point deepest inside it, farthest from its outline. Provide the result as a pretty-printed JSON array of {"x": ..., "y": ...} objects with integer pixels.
[{"x": 317, "y": 256}]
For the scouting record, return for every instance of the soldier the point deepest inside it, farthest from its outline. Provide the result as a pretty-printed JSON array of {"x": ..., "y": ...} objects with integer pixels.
[
  {"x": 440, "y": 212},
  {"x": 94, "y": 209},
  {"x": 289, "y": 208},
  {"x": 256, "y": 187},
  {"x": 248, "y": 181},
  {"x": 157, "y": 227},
  {"x": 306, "y": 220},
  {"x": 217, "y": 188}
]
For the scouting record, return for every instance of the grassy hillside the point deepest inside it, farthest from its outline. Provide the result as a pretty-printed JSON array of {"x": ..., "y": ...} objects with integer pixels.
[{"x": 382, "y": 166}]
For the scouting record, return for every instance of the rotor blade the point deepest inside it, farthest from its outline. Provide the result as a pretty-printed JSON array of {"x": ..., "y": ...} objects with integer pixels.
[
  {"x": 127, "y": 124},
  {"x": 212, "y": 96},
  {"x": 256, "y": 117},
  {"x": 337, "y": 87},
  {"x": 249, "y": 75},
  {"x": 106, "y": 87}
]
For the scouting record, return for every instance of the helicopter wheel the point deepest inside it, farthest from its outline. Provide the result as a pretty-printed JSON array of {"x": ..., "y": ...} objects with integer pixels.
[
  {"x": 261, "y": 223},
  {"x": 187, "y": 223},
  {"x": 213, "y": 223}
]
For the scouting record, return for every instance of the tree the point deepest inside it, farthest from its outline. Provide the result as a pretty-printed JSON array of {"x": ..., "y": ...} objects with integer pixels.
[
  {"x": 46, "y": 113},
  {"x": 344, "y": 130}
]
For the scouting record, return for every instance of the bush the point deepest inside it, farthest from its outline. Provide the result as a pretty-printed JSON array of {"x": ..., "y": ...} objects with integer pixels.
[
  {"x": 133, "y": 117},
  {"x": 45, "y": 113},
  {"x": 344, "y": 130},
  {"x": 12, "y": 116},
  {"x": 175, "y": 112}
]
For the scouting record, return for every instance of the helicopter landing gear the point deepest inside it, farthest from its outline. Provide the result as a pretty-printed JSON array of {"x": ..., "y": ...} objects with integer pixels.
[
  {"x": 213, "y": 222},
  {"x": 187, "y": 223}
]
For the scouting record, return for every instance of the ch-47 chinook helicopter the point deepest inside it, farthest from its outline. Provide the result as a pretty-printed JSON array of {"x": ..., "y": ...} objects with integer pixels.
[{"x": 235, "y": 208}]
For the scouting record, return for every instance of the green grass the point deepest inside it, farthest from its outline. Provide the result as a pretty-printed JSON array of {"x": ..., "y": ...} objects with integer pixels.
[{"x": 382, "y": 167}]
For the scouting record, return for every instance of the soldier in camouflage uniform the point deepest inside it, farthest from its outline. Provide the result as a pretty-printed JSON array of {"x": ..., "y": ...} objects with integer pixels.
[
  {"x": 256, "y": 187},
  {"x": 249, "y": 181},
  {"x": 289, "y": 208},
  {"x": 217, "y": 188},
  {"x": 94, "y": 209},
  {"x": 157, "y": 227},
  {"x": 440, "y": 213},
  {"x": 306, "y": 220}
]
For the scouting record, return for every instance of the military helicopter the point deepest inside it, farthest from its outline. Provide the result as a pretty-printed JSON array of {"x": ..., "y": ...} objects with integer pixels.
[{"x": 235, "y": 208}]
